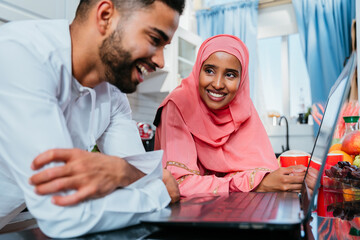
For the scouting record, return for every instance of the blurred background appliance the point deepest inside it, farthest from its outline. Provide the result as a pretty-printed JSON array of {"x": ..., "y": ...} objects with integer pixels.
[{"x": 147, "y": 135}]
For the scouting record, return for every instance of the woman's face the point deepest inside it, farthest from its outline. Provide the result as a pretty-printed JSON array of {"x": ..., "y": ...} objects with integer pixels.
[{"x": 219, "y": 80}]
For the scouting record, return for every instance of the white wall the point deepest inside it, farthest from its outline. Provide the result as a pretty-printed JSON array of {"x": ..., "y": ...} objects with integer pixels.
[
  {"x": 11, "y": 10},
  {"x": 188, "y": 19}
]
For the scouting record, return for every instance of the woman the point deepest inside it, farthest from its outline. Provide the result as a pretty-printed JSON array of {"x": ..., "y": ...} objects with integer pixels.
[{"x": 211, "y": 134}]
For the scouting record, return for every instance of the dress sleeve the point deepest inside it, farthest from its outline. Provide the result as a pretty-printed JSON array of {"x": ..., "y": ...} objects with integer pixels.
[
  {"x": 180, "y": 158},
  {"x": 246, "y": 181},
  {"x": 32, "y": 122}
]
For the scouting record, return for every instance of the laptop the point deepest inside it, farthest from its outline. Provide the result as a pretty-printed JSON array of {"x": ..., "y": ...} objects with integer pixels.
[{"x": 252, "y": 210}]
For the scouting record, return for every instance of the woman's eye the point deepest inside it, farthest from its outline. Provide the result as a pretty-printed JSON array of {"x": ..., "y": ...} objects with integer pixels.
[
  {"x": 231, "y": 75},
  {"x": 208, "y": 71}
]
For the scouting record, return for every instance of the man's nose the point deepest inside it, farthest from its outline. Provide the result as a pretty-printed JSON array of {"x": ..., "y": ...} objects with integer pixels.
[{"x": 158, "y": 58}]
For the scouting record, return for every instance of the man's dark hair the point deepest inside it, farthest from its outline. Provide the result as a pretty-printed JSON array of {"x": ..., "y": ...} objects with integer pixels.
[{"x": 127, "y": 6}]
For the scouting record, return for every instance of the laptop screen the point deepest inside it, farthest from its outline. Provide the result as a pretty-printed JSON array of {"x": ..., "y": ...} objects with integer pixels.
[{"x": 338, "y": 95}]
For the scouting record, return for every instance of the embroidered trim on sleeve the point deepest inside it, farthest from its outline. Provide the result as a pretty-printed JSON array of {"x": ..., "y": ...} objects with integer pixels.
[
  {"x": 263, "y": 169},
  {"x": 234, "y": 173},
  {"x": 252, "y": 175},
  {"x": 215, "y": 190},
  {"x": 177, "y": 164},
  {"x": 252, "y": 178},
  {"x": 255, "y": 169},
  {"x": 180, "y": 180}
]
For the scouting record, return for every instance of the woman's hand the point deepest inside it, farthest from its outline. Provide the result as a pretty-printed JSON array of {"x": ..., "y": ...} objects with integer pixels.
[
  {"x": 311, "y": 178},
  {"x": 283, "y": 179},
  {"x": 92, "y": 175}
]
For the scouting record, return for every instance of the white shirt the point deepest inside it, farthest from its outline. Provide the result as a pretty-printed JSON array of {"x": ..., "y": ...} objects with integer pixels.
[{"x": 43, "y": 107}]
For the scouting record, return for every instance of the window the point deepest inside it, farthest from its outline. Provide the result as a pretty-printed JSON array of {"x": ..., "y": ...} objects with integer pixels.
[
  {"x": 269, "y": 52},
  {"x": 283, "y": 75},
  {"x": 300, "y": 94}
]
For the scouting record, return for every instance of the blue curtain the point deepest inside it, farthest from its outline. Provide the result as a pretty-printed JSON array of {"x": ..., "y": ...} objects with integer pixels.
[
  {"x": 238, "y": 18},
  {"x": 325, "y": 33}
]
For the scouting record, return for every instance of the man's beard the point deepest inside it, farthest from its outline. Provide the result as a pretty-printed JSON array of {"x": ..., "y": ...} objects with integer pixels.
[{"x": 118, "y": 63}]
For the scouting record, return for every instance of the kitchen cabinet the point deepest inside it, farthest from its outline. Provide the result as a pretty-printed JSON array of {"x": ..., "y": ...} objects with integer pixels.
[
  {"x": 179, "y": 57},
  {"x": 11, "y": 10}
]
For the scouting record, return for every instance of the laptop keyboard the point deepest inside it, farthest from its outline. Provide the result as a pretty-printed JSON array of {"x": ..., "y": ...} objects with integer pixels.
[{"x": 246, "y": 207}]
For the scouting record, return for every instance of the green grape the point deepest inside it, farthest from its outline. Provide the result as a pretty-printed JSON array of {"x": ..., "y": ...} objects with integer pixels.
[{"x": 356, "y": 161}]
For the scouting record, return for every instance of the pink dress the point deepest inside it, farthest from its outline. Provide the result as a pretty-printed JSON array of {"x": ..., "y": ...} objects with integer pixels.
[{"x": 211, "y": 151}]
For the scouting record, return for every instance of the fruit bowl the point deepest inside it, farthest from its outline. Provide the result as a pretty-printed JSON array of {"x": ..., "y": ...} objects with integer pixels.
[
  {"x": 333, "y": 183},
  {"x": 350, "y": 188},
  {"x": 347, "y": 210}
]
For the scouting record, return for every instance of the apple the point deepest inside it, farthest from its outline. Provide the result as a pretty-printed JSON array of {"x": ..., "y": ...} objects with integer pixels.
[{"x": 351, "y": 143}]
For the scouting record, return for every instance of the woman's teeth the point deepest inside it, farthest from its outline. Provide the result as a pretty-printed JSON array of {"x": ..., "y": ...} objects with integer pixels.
[
  {"x": 217, "y": 95},
  {"x": 142, "y": 69}
]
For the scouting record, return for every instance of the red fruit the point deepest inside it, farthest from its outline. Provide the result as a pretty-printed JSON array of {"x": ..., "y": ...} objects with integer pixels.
[{"x": 351, "y": 143}]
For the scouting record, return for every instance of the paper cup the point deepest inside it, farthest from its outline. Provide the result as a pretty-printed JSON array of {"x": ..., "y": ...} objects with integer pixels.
[
  {"x": 291, "y": 160},
  {"x": 315, "y": 163},
  {"x": 332, "y": 159}
]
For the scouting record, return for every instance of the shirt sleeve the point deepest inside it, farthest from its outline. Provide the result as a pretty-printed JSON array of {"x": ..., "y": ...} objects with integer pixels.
[
  {"x": 32, "y": 122},
  {"x": 121, "y": 138},
  {"x": 180, "y": 158}
]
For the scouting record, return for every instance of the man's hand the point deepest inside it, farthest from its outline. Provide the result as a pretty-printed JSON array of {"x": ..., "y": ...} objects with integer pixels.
[
  {"x": 171, "y": 186},
  {"x": 93, "y": 175},
  {"x": 283, "y": 179}
]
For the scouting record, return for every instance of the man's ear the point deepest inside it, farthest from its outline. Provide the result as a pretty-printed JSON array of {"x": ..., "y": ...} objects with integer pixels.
[{"x": 105, "y": 12}]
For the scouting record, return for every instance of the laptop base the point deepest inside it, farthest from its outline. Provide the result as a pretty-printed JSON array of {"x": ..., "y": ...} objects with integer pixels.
[{"x": 222, "y": 233}]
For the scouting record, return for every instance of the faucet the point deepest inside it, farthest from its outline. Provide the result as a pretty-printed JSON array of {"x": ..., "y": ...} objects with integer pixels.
[{"x": 287, "y": 134}]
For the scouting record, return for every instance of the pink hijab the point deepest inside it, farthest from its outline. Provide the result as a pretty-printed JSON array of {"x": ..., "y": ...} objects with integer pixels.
[{"x": 238, "y": 126}]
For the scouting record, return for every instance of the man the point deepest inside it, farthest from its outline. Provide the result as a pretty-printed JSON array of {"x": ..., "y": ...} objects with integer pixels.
[{"x": 60, "y": 95}]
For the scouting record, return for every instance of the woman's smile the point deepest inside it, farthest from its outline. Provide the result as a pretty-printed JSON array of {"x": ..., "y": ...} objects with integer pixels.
[{"x": 216, "y": 96}]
